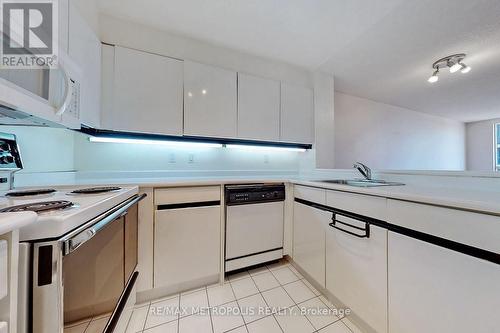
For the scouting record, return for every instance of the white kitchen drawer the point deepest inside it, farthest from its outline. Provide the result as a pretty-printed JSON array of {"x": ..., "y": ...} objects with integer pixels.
[
  {"x": 356, "y": 273},
  {"x": 452, "y": 224},
  {"x": 365, "y": 205},
  {"x": 177, "y": 195},
  {"x": 4, "y": 269},
  {"x": 309, "y": 240},
  {"x": 186, "y": 245},
  {"x": 311, "y": 194},
  {"x": 433, "y": 289}
]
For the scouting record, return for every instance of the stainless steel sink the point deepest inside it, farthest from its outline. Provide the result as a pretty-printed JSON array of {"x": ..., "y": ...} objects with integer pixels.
[{"x": 361, "y": 182}]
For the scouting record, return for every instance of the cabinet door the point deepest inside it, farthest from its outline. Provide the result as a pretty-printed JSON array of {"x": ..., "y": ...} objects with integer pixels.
[
  {"x": 433, "y": 289},
  {"x": 309, "y": 240},
  {"x": 258, "y": 108},
  {"x": 186, "y": 245},
  {"x": 356, "y": 273},
  {"x": 147, "y": 93},
  {"x": 297, "y": 114},
  {"x": 85, "y": 49},
  {"x": 209, "y": 101}
]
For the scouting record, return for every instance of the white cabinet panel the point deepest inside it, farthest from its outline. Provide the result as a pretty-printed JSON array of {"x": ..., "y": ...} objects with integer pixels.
[
  {"x": 85, "y": 49},
  {"x": 452, "y": 224},
  {"x": 366, "y": 205},
  {"x": 147, "y": 94},
  {"x": 297, "y": 114},
  {"x": 309, "y": 240},
  {"x": 356, "y": 273},
  {"x": 179, "y": 195},
  {"x": 433, "y": 289},
  {"x": 258, "y": 108},
  {"x": 4, "y": 269},
  {"x": 316, "y": 195},
  {"x": 186, "y": 245},
  {"x": 209, "y": 101}
]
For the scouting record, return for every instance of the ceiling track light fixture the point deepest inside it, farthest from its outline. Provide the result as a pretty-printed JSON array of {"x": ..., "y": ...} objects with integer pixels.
[{"x": 454, "y": 62}]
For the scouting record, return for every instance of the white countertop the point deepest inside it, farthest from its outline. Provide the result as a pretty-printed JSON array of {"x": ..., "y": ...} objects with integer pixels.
[
  {"x": 474, "y": 200},
  {"x": 459, "y": 197},
  {"x": 13, "y": 221}
]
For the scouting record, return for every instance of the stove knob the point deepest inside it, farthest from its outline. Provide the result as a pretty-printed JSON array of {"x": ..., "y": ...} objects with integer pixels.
[
  {"x": 4, "y": 146},
  {"x": 7, "y": 159}
]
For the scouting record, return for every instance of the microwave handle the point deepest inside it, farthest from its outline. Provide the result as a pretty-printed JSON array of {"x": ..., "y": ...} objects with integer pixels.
[
  {"x": 83, "y": 234},
  {"x": 68, "y": 89}
]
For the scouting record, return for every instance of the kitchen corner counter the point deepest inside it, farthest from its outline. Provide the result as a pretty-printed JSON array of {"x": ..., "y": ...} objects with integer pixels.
[
  {"x": 13, "y": 221},
  {"x": 480, "y": 201}
]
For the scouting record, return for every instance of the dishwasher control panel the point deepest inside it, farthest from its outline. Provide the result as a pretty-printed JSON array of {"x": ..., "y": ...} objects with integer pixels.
[{"x": 255, "y": 193}]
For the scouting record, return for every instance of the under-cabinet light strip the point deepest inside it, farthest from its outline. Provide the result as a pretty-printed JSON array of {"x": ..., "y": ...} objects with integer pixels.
[
  {"x": 187, "y": 144},
  {"x": 264, "y": 148}
]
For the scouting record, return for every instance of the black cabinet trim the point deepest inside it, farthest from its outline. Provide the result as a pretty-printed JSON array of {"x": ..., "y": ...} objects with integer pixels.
[
  {"x": 428, "y": 238},
  {"x": 196, "y": 139},
  {"x": 188, "y": 205}
]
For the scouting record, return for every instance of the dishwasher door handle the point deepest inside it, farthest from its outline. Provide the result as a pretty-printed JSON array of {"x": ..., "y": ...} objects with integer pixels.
[{"x": 366, "y": 229}]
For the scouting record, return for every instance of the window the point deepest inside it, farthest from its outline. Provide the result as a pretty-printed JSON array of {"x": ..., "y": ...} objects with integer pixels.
[{"x": 497, "y": 147}]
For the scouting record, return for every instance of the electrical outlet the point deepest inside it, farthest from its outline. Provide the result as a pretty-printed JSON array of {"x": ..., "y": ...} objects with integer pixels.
[
  {"x": 171, "y": 158},
  {"x": 266, "y": 159},
  {"x": 191, "y": 158}
]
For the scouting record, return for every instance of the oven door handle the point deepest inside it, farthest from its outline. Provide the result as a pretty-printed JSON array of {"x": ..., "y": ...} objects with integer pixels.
[{"x": 80, "y": 236}]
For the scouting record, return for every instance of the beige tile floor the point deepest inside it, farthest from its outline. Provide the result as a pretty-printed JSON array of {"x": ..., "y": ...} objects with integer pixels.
[
  {"x": 272, "y": 298},
  {"x": 91, "y": 325}
]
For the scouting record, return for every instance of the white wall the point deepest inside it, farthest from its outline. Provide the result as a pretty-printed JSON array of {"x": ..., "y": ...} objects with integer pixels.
[
  {"x": 387, "y": 137},
  {"x": 324, "y": 114},
  {"x": 480, "y": 145},
  {"x": 44, "y": 149}
]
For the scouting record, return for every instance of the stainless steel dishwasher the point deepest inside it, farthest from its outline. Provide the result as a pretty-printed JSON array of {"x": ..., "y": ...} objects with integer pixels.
[{"x": 254, "y": 224}]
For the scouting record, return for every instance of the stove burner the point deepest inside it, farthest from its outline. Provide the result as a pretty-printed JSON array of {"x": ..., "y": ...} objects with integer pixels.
[
  {"x": 24, "y": 193},
  {"x": 93, "y": 190},
  {"x": 38, "y": 207}
]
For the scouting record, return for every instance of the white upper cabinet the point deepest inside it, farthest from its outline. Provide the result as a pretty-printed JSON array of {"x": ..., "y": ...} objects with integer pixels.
[
  {"x": 146, "y": 93},
  {"x": 258, "y": 108},
  {"x": 297, "y": 113},
  {"x": 209, "y": 101},
  {"x": 85, "y": 49}
]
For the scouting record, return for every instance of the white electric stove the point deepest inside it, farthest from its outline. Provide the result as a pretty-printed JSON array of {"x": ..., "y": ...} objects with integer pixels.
[{"x": 78, "y": 261}]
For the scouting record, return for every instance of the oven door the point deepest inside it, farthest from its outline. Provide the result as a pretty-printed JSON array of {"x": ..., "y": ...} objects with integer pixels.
[{"x": 87, "y": 277}]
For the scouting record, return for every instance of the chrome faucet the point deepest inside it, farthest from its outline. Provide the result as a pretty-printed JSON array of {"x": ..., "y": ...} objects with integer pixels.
[{"x": 364, "y": 170}]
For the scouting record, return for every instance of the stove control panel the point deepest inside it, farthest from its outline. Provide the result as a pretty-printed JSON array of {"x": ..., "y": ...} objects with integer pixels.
[{"x": 10, "y": 158}]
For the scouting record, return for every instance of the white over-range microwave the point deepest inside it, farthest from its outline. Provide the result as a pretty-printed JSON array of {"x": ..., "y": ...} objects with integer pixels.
[{"x": 49, "y": 97}]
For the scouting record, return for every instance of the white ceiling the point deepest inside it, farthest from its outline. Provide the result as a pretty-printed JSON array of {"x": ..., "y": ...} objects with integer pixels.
[{"x": 382, "y": 50}]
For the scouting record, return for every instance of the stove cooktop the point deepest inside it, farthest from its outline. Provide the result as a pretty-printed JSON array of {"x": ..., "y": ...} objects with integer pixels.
[
  {"x": 93, "y": 190},
  {"x": 39, "y": 207},
  {"x": 24, "y": 193},
  {"x": 61, "y": 211}
]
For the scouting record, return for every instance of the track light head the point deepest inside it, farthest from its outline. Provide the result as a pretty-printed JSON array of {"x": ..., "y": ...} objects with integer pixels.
[
  {"x": 434, "y": 77},
  {"x": 465, "y": 69},
  {"x": 455, "y": 67}
]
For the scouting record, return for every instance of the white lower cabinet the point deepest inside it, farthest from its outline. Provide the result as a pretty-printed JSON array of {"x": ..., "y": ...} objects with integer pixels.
[
  {"x": 309, "y": 240},
  {"x": 186, "y": 246},
  {"x": 433, "y": 289},
  {"x": 356, "y": 273}
]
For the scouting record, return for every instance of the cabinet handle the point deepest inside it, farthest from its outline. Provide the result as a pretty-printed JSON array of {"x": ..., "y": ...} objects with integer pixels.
[{"x": 366, "y": 229}]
